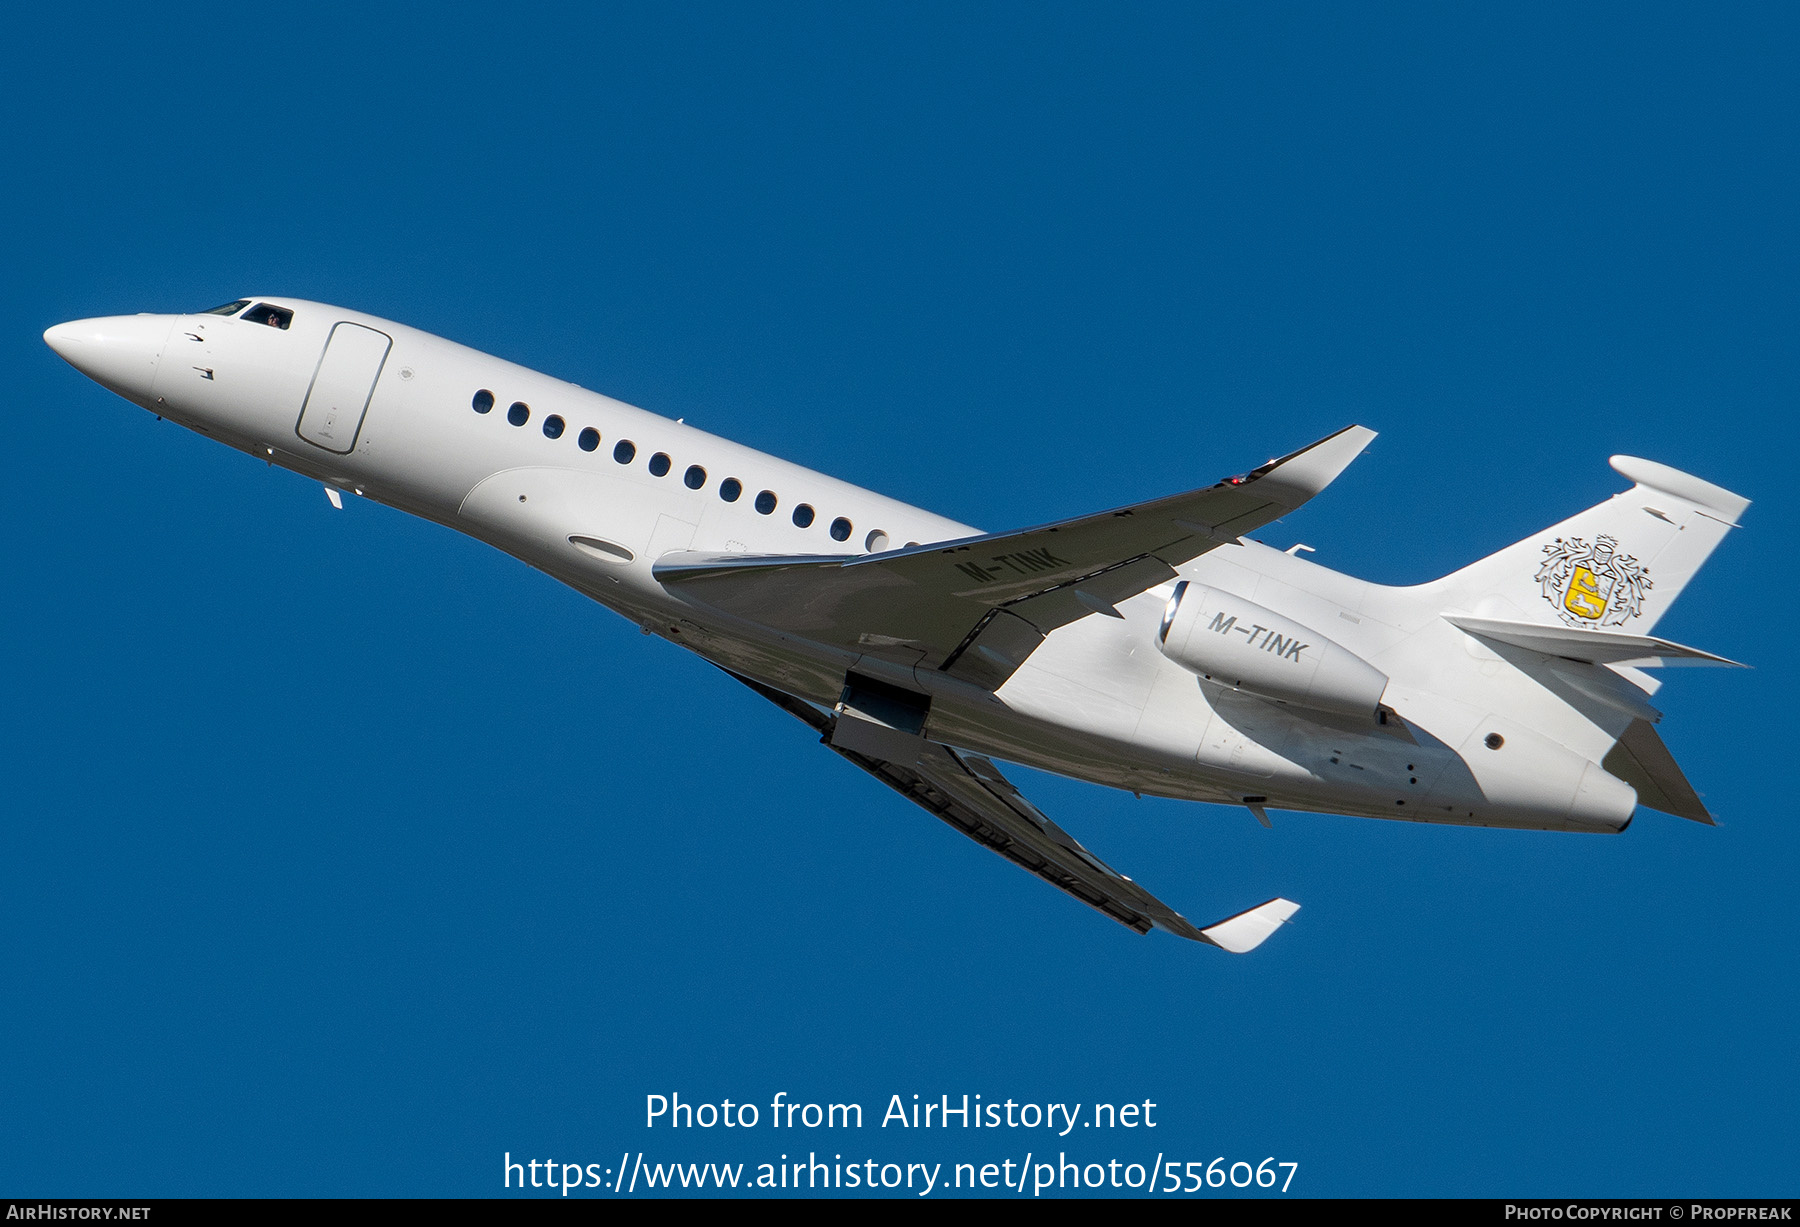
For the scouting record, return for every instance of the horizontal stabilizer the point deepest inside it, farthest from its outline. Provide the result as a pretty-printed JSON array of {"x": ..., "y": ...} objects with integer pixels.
[
  {"x": 1596, "y": 647},
  {"x": 1248, "y": 930},
  {"x": 1642, "y": 760}
]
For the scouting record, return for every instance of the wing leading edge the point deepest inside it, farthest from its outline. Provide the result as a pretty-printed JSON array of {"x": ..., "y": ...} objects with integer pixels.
[
  {"x": 977, "y": 608},
  {"x": 968, "y": 793}
]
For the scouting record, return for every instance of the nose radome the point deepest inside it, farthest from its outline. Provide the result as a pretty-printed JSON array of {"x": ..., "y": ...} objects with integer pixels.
[
  {"x": 119, "y": 352},
  {"x": 63, "y": 338}
]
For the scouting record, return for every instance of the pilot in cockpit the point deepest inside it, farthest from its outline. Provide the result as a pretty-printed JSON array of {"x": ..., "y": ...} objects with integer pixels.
[{"x": 268, "y": 313}]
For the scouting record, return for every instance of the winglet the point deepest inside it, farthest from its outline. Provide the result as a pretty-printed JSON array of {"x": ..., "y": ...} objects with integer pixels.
[
  {"x": 1247, "y": 930},
  {"x": 1299, "y": 475}
]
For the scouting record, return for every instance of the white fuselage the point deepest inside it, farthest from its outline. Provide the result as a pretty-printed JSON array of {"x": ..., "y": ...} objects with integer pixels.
[{"x": 1097, "y": 701}]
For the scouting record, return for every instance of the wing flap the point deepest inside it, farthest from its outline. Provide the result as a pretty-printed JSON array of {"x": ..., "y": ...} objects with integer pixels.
[
  {"x": 994, "y": 650},
  {"x": 1097, "y": 593}
]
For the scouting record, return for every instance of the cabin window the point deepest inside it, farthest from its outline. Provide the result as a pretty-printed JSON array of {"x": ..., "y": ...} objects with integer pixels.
[
  {"x": 519, "y": 414},
  {"x": 269, "y": 315},
  {"x": 588, "y": 439},
  {"x": 695, "y": 477},
  {"x": 553, "y": 427},
  {"x": 876, "y": 541},
  {"x": 659, "y": 464},
  {"x": 765, "y": 502},
  {"x": 840, "y": 529},
  {"x": 230, "y": 308},
  {"x": 730, "y": 489},
  {"x": 803, "y": 516},
  {"x": 624, "y": 450},
  {"x": 483, "y": 401}
]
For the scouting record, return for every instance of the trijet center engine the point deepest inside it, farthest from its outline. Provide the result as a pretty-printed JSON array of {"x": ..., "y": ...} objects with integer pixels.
[{"x": 1239, "y": 644}]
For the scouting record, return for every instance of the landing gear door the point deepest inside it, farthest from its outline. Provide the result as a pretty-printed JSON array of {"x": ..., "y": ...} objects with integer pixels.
[{"x": 339, "y": 396}]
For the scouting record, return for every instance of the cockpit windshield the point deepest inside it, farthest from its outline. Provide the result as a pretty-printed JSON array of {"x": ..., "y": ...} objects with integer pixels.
[
  {"x": 267, "y": 313},
  {"x": 230, "y": 308}
]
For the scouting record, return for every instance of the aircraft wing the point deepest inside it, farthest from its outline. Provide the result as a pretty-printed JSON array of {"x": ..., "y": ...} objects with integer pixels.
[
  {"x": 968, "y": 793},
  {"x": 978, "y": 607}
]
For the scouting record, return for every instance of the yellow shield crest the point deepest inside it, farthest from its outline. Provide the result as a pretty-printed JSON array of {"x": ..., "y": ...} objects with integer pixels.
[{"x": 1584, "y": 598}]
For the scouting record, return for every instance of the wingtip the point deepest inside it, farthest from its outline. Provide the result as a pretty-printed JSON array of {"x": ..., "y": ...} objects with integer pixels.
[
  {"x": 1246, "y": 931},
  {"x": 1306, "y": 472}
]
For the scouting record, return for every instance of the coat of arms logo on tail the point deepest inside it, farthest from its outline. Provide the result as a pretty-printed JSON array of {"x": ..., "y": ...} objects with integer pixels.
[{"x": 1593, "y": 585}]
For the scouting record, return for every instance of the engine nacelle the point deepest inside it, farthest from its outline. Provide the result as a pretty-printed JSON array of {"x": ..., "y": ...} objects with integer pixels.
[{"x": 1240, "y": 644}]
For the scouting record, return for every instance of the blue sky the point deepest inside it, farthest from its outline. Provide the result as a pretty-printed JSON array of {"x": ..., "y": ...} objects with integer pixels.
[{"x": 478, "y": 878}]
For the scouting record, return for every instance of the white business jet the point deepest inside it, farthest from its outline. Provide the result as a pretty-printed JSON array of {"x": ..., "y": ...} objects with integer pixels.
[{"x": 1154, "y": 648}]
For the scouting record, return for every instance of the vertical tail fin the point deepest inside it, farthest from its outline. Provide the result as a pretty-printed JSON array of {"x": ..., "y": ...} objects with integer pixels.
[{"x": 1619, "y": 565}]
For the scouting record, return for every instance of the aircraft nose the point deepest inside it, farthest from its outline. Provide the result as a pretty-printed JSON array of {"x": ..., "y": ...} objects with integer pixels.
[
  {"x": 119, "y": 352},
  {"x": 63, "y": 338}
]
